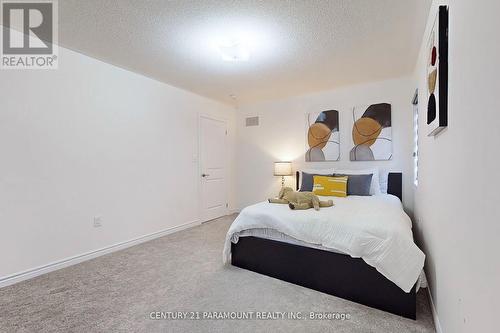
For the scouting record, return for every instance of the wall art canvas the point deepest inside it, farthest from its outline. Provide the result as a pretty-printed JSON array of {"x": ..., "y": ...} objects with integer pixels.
[
  {"x": 323, "y": 136},
  {"x": 437, "y": 74},
  {"x": 371, "y": 133}
]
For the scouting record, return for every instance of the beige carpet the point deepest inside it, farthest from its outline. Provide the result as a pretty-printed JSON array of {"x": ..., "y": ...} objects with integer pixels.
[{"x": 180, "y": 272}]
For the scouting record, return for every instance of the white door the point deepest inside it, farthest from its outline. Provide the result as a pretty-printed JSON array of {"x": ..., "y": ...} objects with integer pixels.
[{"x": 213, "y": 160}]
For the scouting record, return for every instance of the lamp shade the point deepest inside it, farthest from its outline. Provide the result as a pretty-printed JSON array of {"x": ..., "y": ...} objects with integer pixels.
[{"x": 282, "y": 168}]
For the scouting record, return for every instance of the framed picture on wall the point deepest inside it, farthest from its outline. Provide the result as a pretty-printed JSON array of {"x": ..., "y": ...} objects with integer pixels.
[
  {"x": 437, "y": 74},
  {"x": 371, "y": 138},
  {"x": 323, "y": 136}
]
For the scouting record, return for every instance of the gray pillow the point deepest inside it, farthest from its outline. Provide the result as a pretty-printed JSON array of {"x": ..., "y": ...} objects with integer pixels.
[
  {"x": 307, "y": 181},
  {"x": 357, "y": 184}
]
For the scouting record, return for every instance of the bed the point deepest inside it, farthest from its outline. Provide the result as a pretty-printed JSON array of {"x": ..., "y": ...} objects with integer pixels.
[{"x": 361, "y": 249}]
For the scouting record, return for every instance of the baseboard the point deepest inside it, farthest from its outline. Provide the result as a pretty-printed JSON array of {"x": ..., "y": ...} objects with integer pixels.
[
  {"x": 233, "y": 211},
  {"x": 435, "y": 317},
  {"x": 31, "y": 273}
]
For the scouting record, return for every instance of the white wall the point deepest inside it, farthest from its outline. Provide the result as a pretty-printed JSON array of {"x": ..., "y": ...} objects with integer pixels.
[
  {"x": 457, "y": 200},
  {"x": 92, "y": 139},
  {"x": 281, "y": 136}
]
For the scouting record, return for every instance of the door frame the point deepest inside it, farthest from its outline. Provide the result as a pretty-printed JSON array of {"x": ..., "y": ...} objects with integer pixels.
[{"x": 201, "y": 116}]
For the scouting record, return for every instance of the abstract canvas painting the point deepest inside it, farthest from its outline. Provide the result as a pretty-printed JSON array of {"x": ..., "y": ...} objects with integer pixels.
[
  {"x": 323, "y": 137},
  {"x": 371, "y": 133},
  {"x": 437, "y": 74}
]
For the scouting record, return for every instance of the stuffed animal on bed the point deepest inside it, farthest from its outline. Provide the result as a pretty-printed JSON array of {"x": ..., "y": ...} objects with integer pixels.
[{"x": 300, "y": 200}]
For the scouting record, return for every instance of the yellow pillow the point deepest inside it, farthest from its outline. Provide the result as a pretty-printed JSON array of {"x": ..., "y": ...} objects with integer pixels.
[{"x": 330, "y": 186}]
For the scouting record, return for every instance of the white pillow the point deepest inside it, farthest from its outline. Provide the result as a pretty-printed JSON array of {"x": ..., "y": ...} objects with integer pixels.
[
  {"x": 327, "y": 171},
  {"x": 375, "y": 185},
  {"x": 384, "y": 180}
]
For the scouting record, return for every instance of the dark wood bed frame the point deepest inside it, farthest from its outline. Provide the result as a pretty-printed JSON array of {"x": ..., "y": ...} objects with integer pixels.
[{"x": 332, "y": 273}]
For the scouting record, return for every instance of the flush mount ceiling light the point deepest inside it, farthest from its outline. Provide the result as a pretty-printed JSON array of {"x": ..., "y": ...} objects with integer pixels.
[
  {"x": 218, "y": 44},
  {"x": 233, "y": 51}
]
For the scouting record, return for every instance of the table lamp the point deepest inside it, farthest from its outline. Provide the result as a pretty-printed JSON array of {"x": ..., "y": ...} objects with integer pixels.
[{"x": 283, "y": 169}]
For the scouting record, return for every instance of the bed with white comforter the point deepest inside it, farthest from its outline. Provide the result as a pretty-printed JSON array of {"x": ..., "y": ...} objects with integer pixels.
[{"x": 374, "y": 228}]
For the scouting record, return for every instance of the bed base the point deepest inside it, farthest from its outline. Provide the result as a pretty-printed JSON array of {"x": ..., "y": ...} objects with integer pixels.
[
  {"x": 332, "y": 273},
  {"x": 329, "y": 272}
]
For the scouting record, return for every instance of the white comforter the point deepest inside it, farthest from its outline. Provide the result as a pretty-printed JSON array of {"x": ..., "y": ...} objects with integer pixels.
[{"x": 373, "y": 228}]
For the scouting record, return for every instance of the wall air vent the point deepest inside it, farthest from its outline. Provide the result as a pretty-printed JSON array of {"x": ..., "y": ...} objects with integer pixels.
[{"x": 251, "y": 121}]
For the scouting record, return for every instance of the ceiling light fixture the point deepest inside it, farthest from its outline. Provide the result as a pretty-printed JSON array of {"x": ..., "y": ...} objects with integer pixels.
[{"x": 233, "y": 51}]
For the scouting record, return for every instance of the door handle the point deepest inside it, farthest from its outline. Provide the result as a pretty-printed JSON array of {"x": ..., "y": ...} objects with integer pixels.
[{"x": 205, "y": 175}]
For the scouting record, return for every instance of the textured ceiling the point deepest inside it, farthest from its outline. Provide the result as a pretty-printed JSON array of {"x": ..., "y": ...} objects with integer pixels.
[{"x": 296, "y": 46}]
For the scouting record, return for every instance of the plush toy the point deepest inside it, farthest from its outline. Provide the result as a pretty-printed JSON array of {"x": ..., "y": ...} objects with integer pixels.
[{"x": 300, "y": 200}]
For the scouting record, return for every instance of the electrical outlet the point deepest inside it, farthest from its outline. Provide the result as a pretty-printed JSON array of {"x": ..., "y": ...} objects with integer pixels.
[{"x": 97, "y": 221}]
